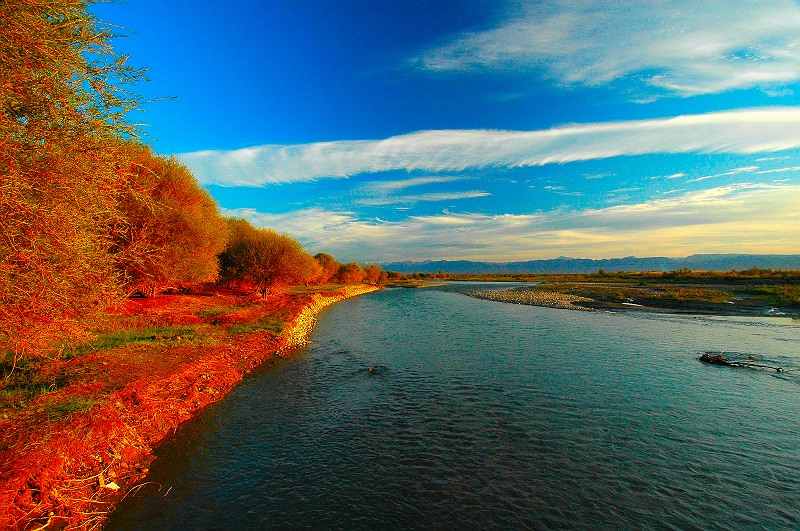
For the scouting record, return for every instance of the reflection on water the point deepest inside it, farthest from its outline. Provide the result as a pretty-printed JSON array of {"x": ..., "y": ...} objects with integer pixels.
[{"x": 429, "y": 409}]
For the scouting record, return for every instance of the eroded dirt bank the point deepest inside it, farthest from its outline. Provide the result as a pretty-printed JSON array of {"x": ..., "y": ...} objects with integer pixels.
[{"x": 78, "y": 446}]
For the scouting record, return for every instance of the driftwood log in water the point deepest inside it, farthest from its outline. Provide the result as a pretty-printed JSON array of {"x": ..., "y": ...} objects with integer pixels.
[{"x": 716, "y": 358}]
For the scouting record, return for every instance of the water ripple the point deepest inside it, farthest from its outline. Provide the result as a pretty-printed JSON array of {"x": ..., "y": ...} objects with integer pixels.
[{"x": 421, "y": 409}]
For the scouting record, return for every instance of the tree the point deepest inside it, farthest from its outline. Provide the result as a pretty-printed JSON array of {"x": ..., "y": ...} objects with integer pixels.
[
  {"x": 234, "y": 259},
  {"x": 62, "y": 113},
  {"x": 264, "y": 258},
  {"x": 170, "y": 232},
  {"x": 351, "y": 273},
  {"x": 329, "y": 267},
  {"x": 374, "y": 274}
]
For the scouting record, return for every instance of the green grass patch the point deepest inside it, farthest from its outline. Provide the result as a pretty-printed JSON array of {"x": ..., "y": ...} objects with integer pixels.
[
  {"x": 698, "y": 295},
  {"x": 20, "y": 386},
  {"x": 778, "y": 295},
  {"x": 111, "y": 340},
  {"x": 274, "y": 326},
  {"x": 218, "y": 310},
  {"x": 324, "y": 288},
  {"x": 69, "y": 406},
  {"x": 275, "y": 322},
  {"x": 18, "y": 395}
]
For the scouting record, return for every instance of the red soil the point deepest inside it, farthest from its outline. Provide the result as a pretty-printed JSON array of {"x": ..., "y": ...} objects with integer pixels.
[{"x": 60, "y": 470}]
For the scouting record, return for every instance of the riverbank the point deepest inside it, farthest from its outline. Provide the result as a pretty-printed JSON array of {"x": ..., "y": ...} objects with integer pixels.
[
  {"x": 683, "y": 298},
  {"x": 76, "y": 435}
]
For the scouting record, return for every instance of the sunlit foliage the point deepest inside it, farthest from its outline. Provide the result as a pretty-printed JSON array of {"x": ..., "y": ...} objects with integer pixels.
[
  {"x": 329, "y": 267},
  {"x": 170, "y": 231},
  {"x": 265, "y": 259},
  {"x": 373, "y": 274},
  {"x": 61, "y": 115},
  {"x": 89, "y": 215},
  {"x": 351, "y": 273}
]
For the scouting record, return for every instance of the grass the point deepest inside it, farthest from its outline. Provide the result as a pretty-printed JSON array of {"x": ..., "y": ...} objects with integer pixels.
[
  {"x": 274, "y": 324},
  {"x": 111, "y": 340},
  {"x": 786, "y": 294},
  {"x": 698, "y": 295},
  {"x": 217, "y": 311},
  {"x": 19, "y": 395},
  {"x": 24, "y": 384},
  {"x": 68, "y": 406},
  {"x": 322, "y": 288}
]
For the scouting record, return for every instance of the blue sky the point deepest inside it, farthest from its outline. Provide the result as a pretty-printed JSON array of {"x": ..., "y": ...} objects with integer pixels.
[{"x": 485, "y": 130}]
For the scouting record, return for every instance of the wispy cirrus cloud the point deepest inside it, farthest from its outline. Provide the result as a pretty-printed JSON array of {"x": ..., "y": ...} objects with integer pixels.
[
  {"x": 680, "y": 47},
  {"x": 746, "y": 217},
  {"x": 779, "y": 170},
  {"x": 378, "y": 193},
  {"x": 760, "y": 130},
  {"x": 402, "y": 184},
  {"x": 430, "y": 196},
  {"x": 735, "y": 171},
  {"x": 561, "y": 190}
]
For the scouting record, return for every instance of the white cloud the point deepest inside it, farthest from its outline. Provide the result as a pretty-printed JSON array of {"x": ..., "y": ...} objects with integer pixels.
[
  {"x": 779, "y": 170},
  {"x": 393, "y": 186},
  {"x": 680, "y": 46},
  {"x": 383, "y": 192},
  {"x": 736, "y": 171},
  {"x": 561, "y": 190},
  {"x": 763, "y": 130},
  {"x": 592, "y": 176},
  {"x": 757, "y": 218},
  {"x": 431, "y": 196}
]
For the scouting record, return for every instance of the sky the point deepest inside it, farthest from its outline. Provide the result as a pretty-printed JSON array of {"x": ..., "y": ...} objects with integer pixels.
[{"x": 383, "y": 131}]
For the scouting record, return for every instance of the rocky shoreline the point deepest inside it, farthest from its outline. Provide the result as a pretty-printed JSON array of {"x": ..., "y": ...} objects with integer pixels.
[{"x": 297, "y": 333}]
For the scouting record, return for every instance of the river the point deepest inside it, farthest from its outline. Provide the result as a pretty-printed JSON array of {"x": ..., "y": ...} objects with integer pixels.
[{"x": 420, "y": 409}]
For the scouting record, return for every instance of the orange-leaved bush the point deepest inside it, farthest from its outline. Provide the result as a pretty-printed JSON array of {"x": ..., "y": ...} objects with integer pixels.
[
  {"x": 329, "y": 267},
  {"x": 373, "y": 274},
  {"x": 170, "y": 232},
  {"x": 265, "y": 259},
  {"x": 62, "y": 113},
  {"x": 351, "y": 273}
]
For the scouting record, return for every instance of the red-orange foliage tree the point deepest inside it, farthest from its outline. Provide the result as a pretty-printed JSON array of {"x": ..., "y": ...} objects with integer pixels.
[
  {"x": 61, "y": 116},
  {"x": 351, "y": 273},
  {"x": 170, "y": 232},
  {"x": 374, "y": 274},
  {"x": 265, "y": 259},
  {"x": 329, "y": 267}
]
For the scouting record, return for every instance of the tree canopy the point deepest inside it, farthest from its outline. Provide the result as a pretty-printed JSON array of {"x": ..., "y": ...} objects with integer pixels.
[
  {"x": 265, "y": 258},
  {"x": 89, "y": 214},
  {"x": 351, "y": 273},
  {"x": 170, "y": 231},
  {"x": 62, "y": 113},
  {"x": 329, "y": 267}
]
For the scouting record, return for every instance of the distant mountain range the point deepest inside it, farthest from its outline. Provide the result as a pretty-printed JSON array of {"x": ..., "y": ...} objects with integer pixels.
[{"x": 704, "y": 262}]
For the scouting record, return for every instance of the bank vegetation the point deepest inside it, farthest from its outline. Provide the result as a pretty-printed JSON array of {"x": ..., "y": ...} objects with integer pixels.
[{"x": 127, "y": 301}]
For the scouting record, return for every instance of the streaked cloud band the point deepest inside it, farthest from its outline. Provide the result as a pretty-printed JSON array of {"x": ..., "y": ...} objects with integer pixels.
[
  {"x": 762, "y": 130},
  {"x": 675, "y": 46},
  {"x": 746, "y": 217}
]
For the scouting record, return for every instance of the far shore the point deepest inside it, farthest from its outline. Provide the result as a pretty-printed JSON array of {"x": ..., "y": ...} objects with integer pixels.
[
  {"x": 753, "y": 292},
  {"x": 593, "y": 297},
  {"x": 68, "y": 454}
]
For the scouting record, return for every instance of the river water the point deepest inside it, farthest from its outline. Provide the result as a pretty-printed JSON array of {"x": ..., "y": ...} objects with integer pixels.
[{"x": 419, "y": 409}]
